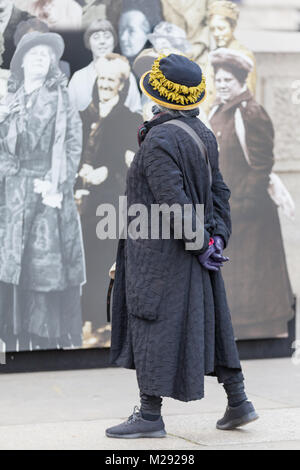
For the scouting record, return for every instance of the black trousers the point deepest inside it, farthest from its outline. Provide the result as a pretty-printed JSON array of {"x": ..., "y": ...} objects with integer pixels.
[{"x": 152, "y": 405}]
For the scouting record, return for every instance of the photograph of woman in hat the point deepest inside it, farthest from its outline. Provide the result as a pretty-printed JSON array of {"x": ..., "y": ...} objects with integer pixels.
[
  {"x": 170, "y": 317},
  {"x": 246, "y": 138},
  {"x": 34, "y": 24},
  {"x": 101, "y": 38},
  {"x": 223, "y": 17},
  {"x": 41, "y": 253}
]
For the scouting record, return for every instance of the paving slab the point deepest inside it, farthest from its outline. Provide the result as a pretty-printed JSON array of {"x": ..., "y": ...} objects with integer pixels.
[
  {"x": 72, "y": 409},
  {"x": 83, "y": 435},
  {"x": 273, "y": 426},
  {"x": 275, "y": 429},
  {"x": 112, "y": 393}
]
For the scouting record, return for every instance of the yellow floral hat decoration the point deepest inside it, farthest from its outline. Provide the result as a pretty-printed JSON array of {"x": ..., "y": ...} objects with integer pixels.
[{"x": 175, "y": 82}]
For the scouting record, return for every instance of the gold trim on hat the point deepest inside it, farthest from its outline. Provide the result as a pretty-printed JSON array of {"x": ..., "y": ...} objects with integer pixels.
[
  {"x": 172, "y": 91},
  {"x": 167, "y": 104}
]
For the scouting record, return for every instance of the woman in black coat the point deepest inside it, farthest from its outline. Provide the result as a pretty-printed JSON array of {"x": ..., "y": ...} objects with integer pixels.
[
  {"x": 170, "y": 320},
  {"x": 246, "y": 139}
]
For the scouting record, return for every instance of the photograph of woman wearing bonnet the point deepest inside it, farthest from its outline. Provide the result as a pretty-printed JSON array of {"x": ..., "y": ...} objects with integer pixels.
[
  {"x": 101, "y": 38},
  {"x": 41, "y": 253},
  {"x": 258, "y": 270},
  {"x": 223, "y": 18}
]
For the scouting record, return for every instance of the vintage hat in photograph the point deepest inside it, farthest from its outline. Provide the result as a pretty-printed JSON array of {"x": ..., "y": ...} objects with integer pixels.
[
  {"x": 224, "y": 8},
  {"x": 175, "y": 35},
  {"x": 35, "y": 38},
  {"x": 175, "y": 82},
  {"x": 236, "y": 59}
]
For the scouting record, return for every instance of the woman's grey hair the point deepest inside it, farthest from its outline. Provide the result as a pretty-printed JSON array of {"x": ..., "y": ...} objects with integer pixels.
[{"x": 177, "y": 113}]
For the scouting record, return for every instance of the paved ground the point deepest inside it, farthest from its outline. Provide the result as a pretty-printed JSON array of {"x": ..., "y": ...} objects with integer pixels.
[{"x": 70, "y": 410}]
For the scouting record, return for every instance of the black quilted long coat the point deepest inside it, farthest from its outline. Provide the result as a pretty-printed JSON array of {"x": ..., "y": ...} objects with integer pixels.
[{"x": 170, "y": 318}]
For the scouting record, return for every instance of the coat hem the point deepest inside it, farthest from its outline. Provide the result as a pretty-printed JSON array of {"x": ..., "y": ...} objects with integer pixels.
[{"x": 167, "y": 394}]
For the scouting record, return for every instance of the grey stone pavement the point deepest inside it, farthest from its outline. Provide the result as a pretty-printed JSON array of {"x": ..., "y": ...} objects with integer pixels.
[{"x": 70, "y": 410}]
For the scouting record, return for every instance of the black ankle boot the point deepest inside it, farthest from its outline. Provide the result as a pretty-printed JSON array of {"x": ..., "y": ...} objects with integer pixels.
[{"x": 237, "y": 416}]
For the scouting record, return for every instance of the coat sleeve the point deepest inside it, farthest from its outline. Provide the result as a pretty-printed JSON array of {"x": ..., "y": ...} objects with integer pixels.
[
  {"x": 221, "y": 195},
  {"x": 166, "y": 183},
  {"x": 259, "y": 137},
  {"x": 259, "y": 143}
]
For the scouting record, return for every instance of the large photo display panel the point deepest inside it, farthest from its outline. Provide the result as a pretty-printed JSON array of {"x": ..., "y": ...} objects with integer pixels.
[{"x": 70, "y": 109}]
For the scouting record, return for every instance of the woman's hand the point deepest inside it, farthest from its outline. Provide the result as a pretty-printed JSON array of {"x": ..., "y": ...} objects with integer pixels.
[
  {"x": 219, "y": 246},
  {"x": 207, "y": 260},
  {"x": 7, "y": 109},
  {"x": 42, "y": 186},
  {"x": 85, "y": 170},
  {"x": 92, "y": 175},
  {"x": 53, "y": 200},
  {"x": 97, "y": 176},
  {"x": 50, "y": 197}
]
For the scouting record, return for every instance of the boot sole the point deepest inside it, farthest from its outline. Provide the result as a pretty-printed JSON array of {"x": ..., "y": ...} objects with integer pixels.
[
  {"x": 138, "y": 435},
  {"x": 239, "y": 422}
]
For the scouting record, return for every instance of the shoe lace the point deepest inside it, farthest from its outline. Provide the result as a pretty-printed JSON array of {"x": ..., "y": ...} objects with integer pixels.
[{"x": 135, "y": 415}]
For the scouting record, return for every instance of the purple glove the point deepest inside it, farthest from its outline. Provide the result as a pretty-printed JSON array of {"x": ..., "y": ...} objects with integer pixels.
[
  {"x": 219, "y": 246},
  {"x": 206, "y": 259},
  {"x": 219, "y": 243}
]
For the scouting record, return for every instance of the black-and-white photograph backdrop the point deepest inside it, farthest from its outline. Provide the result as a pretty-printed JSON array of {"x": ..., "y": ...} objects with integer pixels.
[{"x": 70, "y": 108}]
